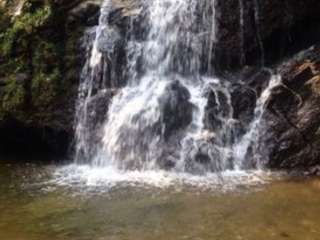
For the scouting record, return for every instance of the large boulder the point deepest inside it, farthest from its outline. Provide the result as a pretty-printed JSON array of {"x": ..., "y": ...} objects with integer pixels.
[
  {"x": 292, "y": 133},
  {"x": 175, "y": 108}
]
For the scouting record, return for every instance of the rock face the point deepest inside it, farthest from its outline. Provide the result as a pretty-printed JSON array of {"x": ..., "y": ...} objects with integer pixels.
[
  {"x": 175, "y": 108},
  {"x": 41, "y": 59},
  {"x": 294, "y": 111},
  {"x": 262, "y": 32},
  {"x": 40, "y": 64}
]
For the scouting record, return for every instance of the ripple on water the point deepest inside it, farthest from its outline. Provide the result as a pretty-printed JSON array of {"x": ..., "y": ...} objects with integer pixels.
[
  {"x": 82, "y": 203},
  {"x": 104, "y": 179}
]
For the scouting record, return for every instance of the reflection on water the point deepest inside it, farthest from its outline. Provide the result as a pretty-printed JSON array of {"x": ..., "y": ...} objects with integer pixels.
[{"x": 34, "y": 207}]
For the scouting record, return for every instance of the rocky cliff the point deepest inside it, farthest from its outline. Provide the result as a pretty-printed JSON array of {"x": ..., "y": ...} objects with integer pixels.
[
  {"x": 41, "y": 60},
  {"x": 264, "y": 32},
  {"x": 294, "y": 112}
]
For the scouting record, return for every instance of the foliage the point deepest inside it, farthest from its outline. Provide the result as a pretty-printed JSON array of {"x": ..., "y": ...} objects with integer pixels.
[
  {"x": 30, "y": 46},
  {"x": 38, "y": 61},
  {"x": 14, "y": 95}
]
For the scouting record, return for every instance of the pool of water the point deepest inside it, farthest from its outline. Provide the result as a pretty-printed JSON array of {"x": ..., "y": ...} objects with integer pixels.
[{"x": 56, "y": 203}]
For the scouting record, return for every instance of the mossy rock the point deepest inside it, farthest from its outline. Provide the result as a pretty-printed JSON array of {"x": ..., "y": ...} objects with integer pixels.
[{"x": 39, "y": 64}]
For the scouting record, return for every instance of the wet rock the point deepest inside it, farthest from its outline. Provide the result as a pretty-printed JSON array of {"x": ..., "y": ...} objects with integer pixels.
[
  {"x": 218, "y": 109},
  {"x": 256, "y": 78},
  {"x": 315, "y": 171},
  {"x": 176, "y": 109},
  {"x": 98, "y": 108},
  {"x": 87, "y": 11},
  {"x": 293, "y": 114},
  {"x": 283, "y": 27},
  {"x": 107, "y": 40},
  {"x": 204, "y": 155},
  {"x": 292, "y": 134},
  {"x": 243, "y": 102}
]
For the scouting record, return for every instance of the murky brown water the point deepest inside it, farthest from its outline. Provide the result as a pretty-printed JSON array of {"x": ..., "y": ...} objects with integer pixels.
[{"x": 31, "y": 209}]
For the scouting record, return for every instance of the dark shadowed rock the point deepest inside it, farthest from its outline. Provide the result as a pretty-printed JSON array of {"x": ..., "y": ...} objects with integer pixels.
[
  {"x": 218, "y": 107},
  {"x": 293, "y": 115},
  {"x": 244, "y": 102},
  {"x": 175, "y": 108},
  {"x": 282, "y": 27}
]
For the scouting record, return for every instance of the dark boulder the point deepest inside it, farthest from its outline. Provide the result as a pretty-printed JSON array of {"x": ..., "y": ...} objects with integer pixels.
[
  {"x": 176, "y": 109},
  {"x": 293, "y": 126},
  {"x": 243, "y": 102},
  {"x": 218, "y": 108}
]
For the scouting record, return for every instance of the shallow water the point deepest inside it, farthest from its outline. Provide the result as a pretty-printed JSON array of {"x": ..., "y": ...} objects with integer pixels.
[{"x": 37, "y": 203}]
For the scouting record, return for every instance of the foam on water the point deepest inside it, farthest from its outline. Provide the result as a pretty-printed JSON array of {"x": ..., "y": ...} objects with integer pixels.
[{"x": 105, "y": 179}]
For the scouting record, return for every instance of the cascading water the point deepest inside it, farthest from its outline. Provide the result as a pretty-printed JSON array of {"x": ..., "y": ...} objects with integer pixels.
[
  {"x": 172, "y": 114},
  {"x": 257, "y": 12},
  {"x": 241, "y": 32},
  {"x": 251, "y": 137}
]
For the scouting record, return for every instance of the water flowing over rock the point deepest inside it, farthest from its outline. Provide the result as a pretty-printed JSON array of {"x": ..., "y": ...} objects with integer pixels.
[
  {"x": 264, "y": 32},
  {"x": 169, "y": 111},
  {"x": 194, "y": 73},
  {"x": 293, "y": 116}
]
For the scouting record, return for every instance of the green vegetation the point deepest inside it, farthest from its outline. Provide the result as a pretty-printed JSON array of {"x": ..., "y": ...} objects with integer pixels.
[{"x": 33, "y": 49}]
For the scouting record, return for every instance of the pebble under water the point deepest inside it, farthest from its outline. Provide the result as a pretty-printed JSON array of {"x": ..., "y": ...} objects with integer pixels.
[{"x": 36, "y": 204}]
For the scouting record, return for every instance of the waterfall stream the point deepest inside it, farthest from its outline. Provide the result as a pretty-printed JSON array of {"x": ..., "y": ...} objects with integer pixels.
[
  {"x": 148, "y": 99},
  {"x": 241, "y": 32},
  {"x": 257, "y": 12}
]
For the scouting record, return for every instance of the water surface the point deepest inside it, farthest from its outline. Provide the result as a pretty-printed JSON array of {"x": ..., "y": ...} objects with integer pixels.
[{"x": 35, "y": 204}]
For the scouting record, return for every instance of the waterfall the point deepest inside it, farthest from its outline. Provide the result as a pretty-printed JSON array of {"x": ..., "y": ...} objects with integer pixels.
[
  {"x": 241, "y": 32},
  {"x": 251, "y": 137},
  {"x": 257, "y": 12},
  {"x": 148, "y": 99}
]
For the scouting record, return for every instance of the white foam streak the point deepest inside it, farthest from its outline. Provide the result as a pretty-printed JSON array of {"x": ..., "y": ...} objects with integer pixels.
[
  {"x": 110, "y": 177},
  {"x": 252, "y": 136},
  {"x": 133, "y": 108}
]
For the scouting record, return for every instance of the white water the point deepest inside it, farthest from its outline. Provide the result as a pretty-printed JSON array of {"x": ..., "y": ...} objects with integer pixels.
[
  {"x": 242, "y": 32},
  {"x": 18, "y": 8},
  {"x": 257, "y": 13},
  {"x": 156, "y": 122},
  {"x": 133, "y": 134},
  {"x": 251, "y": 138},
  {"x": 107, "y": 178}
]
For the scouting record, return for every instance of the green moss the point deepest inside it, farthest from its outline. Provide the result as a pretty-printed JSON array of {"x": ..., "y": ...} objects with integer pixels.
[
  {"x": 14, "y": 95},
  {"x": 4, "y": 28},
  {"x": 44, "y": 88},
  {"x": 34, "y": 44}
]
